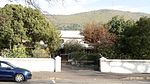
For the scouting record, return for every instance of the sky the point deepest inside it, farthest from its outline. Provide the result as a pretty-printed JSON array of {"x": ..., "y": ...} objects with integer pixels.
[{"x": 76, "y": 6}]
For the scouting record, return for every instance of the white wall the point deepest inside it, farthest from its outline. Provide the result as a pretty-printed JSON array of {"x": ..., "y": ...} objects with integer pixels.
[
  {"x": 33, "y": 64},
  {"x": 124, "y": 66}
]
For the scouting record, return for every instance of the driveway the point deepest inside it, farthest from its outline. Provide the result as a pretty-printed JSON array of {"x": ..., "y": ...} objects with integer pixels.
[{"x": 75, "y": 75}]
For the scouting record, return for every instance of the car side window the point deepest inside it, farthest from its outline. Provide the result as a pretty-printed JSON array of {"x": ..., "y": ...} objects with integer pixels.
[{"x": 4, "y": 65}]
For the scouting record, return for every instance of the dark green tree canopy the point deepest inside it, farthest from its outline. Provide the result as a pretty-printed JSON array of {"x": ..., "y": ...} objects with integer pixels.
[
  {"x": 26, "y": 24},
  {"x": 135, "y": 41},
  {"x": 118, "y": 24},
  {"x": 5, "y": 31}
]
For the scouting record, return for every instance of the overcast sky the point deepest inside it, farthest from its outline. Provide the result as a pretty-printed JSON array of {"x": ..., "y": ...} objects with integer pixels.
[{"x": 72, "y": 6}]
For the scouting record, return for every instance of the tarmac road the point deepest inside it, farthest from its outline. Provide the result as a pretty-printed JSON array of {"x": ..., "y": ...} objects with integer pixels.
[
  {"x": 29, "y": 82},
  {"x": 78, "y": 82},
  {"x": 73, "y": 75}
]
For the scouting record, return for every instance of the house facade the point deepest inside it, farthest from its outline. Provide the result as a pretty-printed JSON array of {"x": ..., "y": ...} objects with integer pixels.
[
  {"x": 71, "y": 35},
  {"x": 68, "y": 36}
]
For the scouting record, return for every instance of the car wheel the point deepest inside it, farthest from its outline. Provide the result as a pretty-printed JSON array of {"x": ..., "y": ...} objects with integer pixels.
[{"x": 19, "y": 78}]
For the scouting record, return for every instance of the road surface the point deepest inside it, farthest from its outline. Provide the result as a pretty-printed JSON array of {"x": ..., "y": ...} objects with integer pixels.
[{"x": 74, "y": 75}]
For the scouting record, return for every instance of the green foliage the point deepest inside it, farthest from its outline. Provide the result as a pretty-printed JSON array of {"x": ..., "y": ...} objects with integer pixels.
[
  {"x": 15, "y": 15},
  {"x": 135, "y": 41},
  {"x": 52, "y": 39},
  {"x": 73, "y": 46},
  {"x": 18, "y": 51},
  {"x": 70, "y": 27},
  {"x": 22, "y": 24},
  {"x": 92, "y": 56},
  {"x": 118, "y": 24},
  {"x": 83, "y": 55},
  {"x": 86, "y": 59},
  {"x": 40, "y": 52},
  {"x": 77, "y": 55},
  {"x": 5, "y": 31},
  {"x": 6, "y": 53},
  {"x": 75, "y": 50}
]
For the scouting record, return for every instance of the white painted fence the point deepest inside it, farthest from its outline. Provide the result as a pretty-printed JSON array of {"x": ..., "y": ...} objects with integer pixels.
[
  {"x": 124, "y": 66},
  {"x": 34, "y": 64}
]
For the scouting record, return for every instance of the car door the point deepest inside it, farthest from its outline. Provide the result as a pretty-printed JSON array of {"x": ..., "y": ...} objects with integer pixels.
[{"x": 6, "y": 72}]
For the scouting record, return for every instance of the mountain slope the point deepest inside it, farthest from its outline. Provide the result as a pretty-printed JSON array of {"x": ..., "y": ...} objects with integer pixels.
[{"x": 100, "y": 16}]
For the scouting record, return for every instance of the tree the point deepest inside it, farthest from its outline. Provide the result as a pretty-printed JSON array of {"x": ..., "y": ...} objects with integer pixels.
[
  {"x": 5, "y": 31},
  {"x": 118, "y": 24},
  {"x": 98, "y": 36},
  {"x": 135, "y": 42},
  {"x": 16, "y": 16},
  {"x": 27, "y": 24}
]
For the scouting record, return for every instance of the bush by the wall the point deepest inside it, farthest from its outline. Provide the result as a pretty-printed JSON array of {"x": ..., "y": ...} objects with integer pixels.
[
  {"x": 18, "y": 51},
  {"x": 40, "y": 53}
]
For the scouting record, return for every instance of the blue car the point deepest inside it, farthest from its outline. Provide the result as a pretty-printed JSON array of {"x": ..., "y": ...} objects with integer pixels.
[{"x": 10, "y": 72}]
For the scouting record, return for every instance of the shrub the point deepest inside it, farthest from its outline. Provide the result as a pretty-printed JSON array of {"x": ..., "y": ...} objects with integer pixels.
[
  {"x": 6, "y": 53},
  {"x": 72, "y": 46},
  {"x": 40, "y": 53},
  {"x": 18, "y": 51}
]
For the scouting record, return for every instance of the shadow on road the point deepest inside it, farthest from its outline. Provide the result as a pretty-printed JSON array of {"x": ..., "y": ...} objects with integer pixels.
[{"x": 6, "y": 81}]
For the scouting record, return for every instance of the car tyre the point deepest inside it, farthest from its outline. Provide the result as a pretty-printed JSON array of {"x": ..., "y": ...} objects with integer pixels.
[{"x": 19, "y": 78}]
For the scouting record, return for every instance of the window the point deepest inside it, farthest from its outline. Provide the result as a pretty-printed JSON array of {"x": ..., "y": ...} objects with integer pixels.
[{"x": 4, "y": 65}]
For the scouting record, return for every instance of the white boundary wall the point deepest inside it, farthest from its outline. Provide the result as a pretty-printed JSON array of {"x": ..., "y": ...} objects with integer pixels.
[
  {"x": 124, "y": 66},
  {"x": 33, "y": 64}
]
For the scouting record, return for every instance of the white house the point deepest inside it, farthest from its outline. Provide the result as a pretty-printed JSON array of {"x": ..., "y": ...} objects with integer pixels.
[
  {"x": 67, "y": 36},
  {"x": 71, "y": 35}
]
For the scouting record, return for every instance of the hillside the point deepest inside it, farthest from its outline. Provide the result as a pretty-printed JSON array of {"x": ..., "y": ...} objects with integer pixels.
[{"x": 100, "y": 16}]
